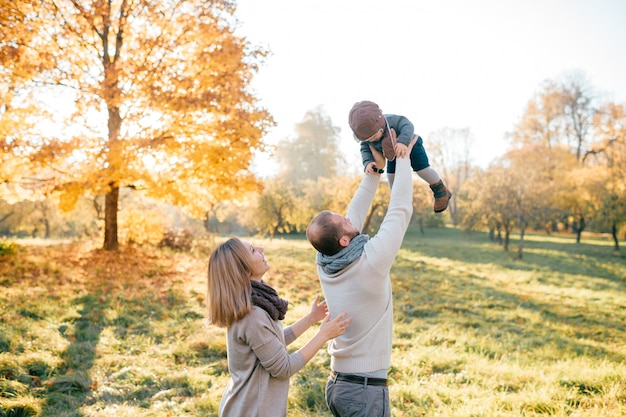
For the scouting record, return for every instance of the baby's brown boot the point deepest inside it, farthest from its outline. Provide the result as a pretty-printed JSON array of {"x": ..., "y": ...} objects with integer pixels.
[{"x": 442, "y": 196}]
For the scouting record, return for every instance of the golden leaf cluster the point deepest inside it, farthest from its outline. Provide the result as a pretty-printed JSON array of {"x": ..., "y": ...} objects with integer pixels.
[{"x": 147, "y": 94}]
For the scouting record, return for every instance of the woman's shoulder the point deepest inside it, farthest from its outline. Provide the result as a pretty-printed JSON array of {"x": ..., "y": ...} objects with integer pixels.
[
  {"x": 254, "y": 317},
  {"x": 259, "y": 314},
  {"x": 254, "y": 324}
]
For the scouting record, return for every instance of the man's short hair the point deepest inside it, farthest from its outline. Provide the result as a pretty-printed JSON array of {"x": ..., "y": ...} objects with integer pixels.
[{"x": 324, "y": 234}]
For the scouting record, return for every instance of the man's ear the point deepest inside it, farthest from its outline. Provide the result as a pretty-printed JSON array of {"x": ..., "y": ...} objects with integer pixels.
[{"x": 344, "y": 240}]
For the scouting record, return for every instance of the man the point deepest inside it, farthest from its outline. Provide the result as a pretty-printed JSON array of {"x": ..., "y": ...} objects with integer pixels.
[{"x": 354, "y": 273}]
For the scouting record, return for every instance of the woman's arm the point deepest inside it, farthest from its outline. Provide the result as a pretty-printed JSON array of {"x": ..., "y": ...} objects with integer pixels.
[{"x": 260, "y": 334}]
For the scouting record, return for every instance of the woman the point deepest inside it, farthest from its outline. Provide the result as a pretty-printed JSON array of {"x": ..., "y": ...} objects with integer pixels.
[{"x": 258, "y": 361}]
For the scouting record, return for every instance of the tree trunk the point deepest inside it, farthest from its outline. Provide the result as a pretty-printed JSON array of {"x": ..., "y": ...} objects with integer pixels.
[
  {"x": 520, "y": 247},
  {"x": 579, "y": 228},
  {"x": 206, "y": 222},
  {"x": 110, "y": 218},
  {"x": 614, "y": 234},
  {"x": 46, "y": 225},
  {"x": 507, "y": 235},
  {"x": 207, "y": 219},
  {"x": 453, "y": 211},
  {"x": 112, "y": 197},
  {"x": 112, "y": 93},
  {"x": 45, "y": 220},
  {"x": 6, "y": 216}
]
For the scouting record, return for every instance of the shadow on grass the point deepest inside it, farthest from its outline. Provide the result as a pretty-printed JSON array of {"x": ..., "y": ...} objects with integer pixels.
[
  {"x": 552, "y": 312},
  {"x": 123, "y": 291},
  {"x": 561, "y": 255},
  {"x": 70, "y": 389}
]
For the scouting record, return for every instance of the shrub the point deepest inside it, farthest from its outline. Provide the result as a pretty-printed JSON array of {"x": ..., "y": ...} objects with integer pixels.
[
  {"x": 7, "y": 248},
  {"x": 141, "y": 227},
  {"x": 180, "y": 240}
]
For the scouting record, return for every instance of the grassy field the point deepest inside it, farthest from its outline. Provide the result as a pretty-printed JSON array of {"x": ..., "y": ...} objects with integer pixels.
[{"x": 477, "y": 333}]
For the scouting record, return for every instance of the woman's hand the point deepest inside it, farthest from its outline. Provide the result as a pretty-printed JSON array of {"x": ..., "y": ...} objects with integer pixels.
[
  {"x": 330, "y": 329},
  {"x": 318, "y": 310}
]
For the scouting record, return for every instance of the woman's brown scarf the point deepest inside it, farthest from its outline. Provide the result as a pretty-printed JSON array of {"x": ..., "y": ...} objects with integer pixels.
[{"x": 267, "y": 298}]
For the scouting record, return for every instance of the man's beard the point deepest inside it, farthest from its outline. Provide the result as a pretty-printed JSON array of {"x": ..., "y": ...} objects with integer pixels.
[{"x": 354, "y": 234}]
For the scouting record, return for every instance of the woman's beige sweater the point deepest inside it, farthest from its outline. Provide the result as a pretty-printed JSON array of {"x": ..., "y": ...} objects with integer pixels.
[{"x": 259, "y": 366}]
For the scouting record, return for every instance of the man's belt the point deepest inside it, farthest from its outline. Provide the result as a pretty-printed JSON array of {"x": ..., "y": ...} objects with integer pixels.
[{"x": 355, "y": 379}]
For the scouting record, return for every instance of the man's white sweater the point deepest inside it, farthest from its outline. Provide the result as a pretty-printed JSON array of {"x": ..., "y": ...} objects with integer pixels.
[{"x": 363, "y": 288}]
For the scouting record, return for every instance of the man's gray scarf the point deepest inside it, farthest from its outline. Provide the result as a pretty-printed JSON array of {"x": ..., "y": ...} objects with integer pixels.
[{"x": 335, "y": 263}]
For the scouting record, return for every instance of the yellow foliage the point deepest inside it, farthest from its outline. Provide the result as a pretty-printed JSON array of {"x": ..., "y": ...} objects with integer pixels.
[
  {"x": 157, "y": 98},
  {"x": 69, "y": 195},
  {"x": 142, "y": 226}
]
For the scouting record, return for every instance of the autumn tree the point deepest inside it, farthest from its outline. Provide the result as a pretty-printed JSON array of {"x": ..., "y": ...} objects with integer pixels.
[
  {"x": 274, "y": 209},
  {"x": 493, "y": 209},
  {"x": 522, "y": 185},
  {"x": 324, "y": 193},
  {"x": 609, "y": 154},
  {"x": 312, "y": 152},
  {"x": 580, "y": 196},
  {"x": 42, "y": 218},
  {"x": 561, "y": 116},
  {"x": 154, "y": 96},
  {"x": 541, "y": 121},
  {"x": 307, "y": 160},
  {"x": 560, "y": 113},
  {"x": 577, "y": 99},
  {"x": 17, "y": 114},
  {"x": 535, "y": 175}
]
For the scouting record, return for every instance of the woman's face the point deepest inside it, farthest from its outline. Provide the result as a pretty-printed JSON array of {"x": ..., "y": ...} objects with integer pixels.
[{"x": 259, "y": 265}]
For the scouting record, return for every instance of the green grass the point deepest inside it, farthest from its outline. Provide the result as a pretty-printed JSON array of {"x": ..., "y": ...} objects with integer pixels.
[{"x": 477, "y": 332}]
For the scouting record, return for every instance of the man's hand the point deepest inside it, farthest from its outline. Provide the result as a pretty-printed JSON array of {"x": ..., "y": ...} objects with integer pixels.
[
  {"x": 372, "y": 168},
  {"x": 379, "y": 163}
]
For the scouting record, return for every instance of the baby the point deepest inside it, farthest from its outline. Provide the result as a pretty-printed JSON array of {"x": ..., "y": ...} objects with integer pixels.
[{"x": 390, "y": 135}]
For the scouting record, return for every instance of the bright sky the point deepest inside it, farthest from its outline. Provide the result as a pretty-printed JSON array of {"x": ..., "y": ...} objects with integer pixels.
[{"x": 441, "y": 63}]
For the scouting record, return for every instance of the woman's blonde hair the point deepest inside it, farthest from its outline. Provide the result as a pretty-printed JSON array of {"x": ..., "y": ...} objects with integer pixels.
[{"x": 229, "y": 292}]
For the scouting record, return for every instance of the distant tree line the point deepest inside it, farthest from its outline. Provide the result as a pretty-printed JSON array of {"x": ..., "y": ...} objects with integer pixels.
[
  {"x": 313, "y": 176},
  {"x": 565, "y": 171}
]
